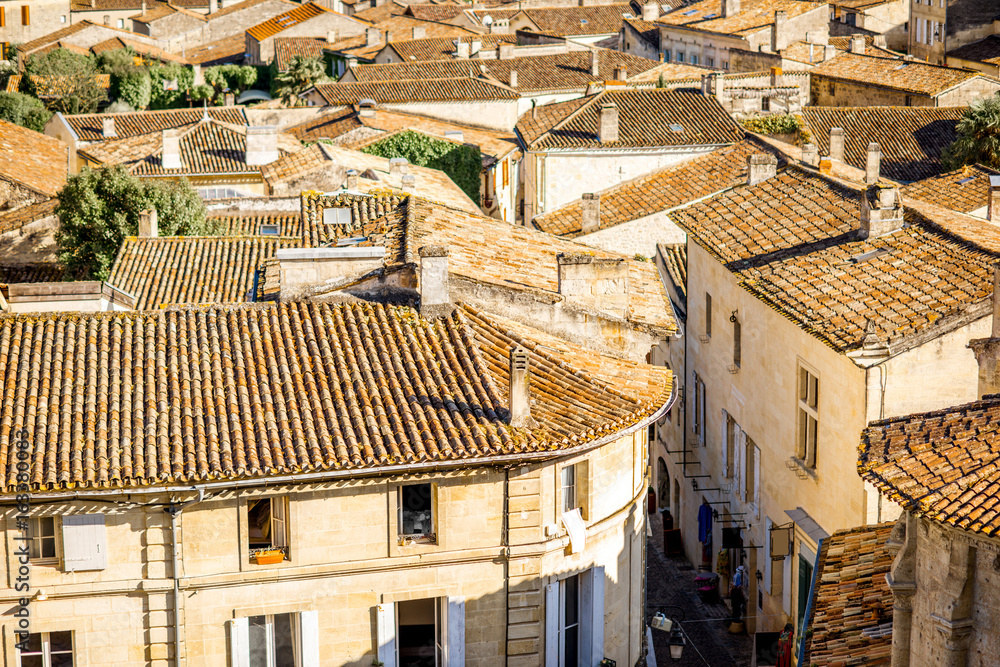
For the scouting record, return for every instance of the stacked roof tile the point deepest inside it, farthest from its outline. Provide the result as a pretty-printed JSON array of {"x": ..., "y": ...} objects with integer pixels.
[
  {"x": 943, "y": 465},
  {"x": 646, "y": 117},
  {"x": 754, "y": 16},
  {"x": 573, "y": 21},
  {"x": 32, "y": 159},
  {"x": 286, "y": 48},
  {"x": 793, "y": 242},
  {"x": 964, "y": 190},
  {"x": 851, "y": 621},
  {"x": 435, "y": 12},
  {"x": 443, "y": 48},
  {"x": 911, "y": 138},
  {"x": 90, "y": 126},
  {"x": 423, "y": 90},
  {"x": 675, "y": 261},
  {"x": 986, "y": 50},
  {"x": 282, "y": 22},
  {"x": 910, "y": 76},
  {"x": 19, "y": 217},
  {"x": 228, "y": 393}
]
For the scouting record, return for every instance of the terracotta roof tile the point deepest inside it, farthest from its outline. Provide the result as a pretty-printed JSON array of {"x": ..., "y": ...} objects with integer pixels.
[
  {"x": 379, "y": 13},
  {"x": 851, "y": 621},
  {"x": 964, "y": 190},
  {"x": 90, "y": 127},
  {"x": 47, "y": 272},
  {"x": 286, "y": 48},
  {"x": 443, "y": 48},
  {"x": 910, "y": 76},
  {"x": 911, "y": 138},
  {"x": 140, "y": 48},
  {"x": 282, "y": 22},
  {"x": 573, "y": 21},
  {"x": 792, "y": 242},
  {"x": 417, "y": 90},
  {"x": 435, "y": 12},
  {"x": 237, "y": 392},
  {"x": 658, "y": 191},
  {"x": 754, "y": 15},
  {"x": 646, "y": 117},
  {"x": 32, "y": 159},
  {"x": 986, "y": 50},
  {"x": 675, "y": 260},
  {"x": 226, "y": 50},
  {"x": 943, "y": 465}
]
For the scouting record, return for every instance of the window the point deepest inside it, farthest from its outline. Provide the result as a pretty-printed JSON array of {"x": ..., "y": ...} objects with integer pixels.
[
  {"x": 574, "y": 619},
  {"x": 694, "y": 59},
  {"x": 25, "y": 15},
  {"x": 121, "y": 23},
  {"x": 808, "y": 417},
  {"x": 62, "y": 19},
  {"x": 42, "y": 538},
  {"x": 567, "y": 488},
  {"x": 84, "y": 542},
  {"x": 737, "y": 342},
  {"x": 421, "y": 633},
  {"x": 680, "y": 56},
  {"x": 753, "y": 475},
  {"x": 267, "y": 526},
  {"x": 47, "y": 649},
  {"x": 851, "y": 18},
  {"x": 699, "y": 409},
  {"x": 666, "y": 56},
  {"x": 730, "y": 434},
  {"x": 274, "y": 640},
  {"x": 107, "y": 19},
  {"x": 710, "y": 62},
  {"x": 416, "y": 512},
  {"x": 725, "y": 64},
  {"x": 569, "y": 621},
  {"x": 708, "y": 314},
  {"x": 506, "y": 172}
]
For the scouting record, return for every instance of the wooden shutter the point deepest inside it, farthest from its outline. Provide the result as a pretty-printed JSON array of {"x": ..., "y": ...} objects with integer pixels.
[
  {"x": 309, "y": 638},
  {"x": 239, "y": 642},
  {"x": 25, "y": 15},
  {"x": 592, "y": 617},
  {"x": 84, "y": 542},
  {"x": 3, "y": 24},
  {"x": 756, "y": 482},
  {"x": 386, "y": 628},
  {"x": 279, "y": 526},
  {"x": 701, "y": 416},
  {"x": 552, "y": 625},
  {"x": 738, "y": 452},
  {"x": 455, "y": 632},
  {"x": 725, "y": 443}
]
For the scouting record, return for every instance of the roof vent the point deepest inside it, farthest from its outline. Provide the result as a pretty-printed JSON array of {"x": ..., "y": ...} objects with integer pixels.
[
  {"x": 607, "y": 130},
  {"x": 108, "y": 127},
  {"x": 337, "y": 216}
]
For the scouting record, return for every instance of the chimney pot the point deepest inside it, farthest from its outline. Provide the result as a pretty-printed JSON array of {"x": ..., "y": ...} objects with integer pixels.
[
  {"x": 857, "y": 44},
  {"x": 595, "y": 63},
  {"x": 608, "y": 130},
  {"x": 829, "y": 51},
  {"x": 520, "y": 392},
  {"x": 409, "y": 182},
  {"x": 730, "y": 8},
  {"x": 513, "y": 78},
  {"x": 651, "y": 11},
  {"x": 262, "y": 145},
  {"x": 398, "y": 165},
  {"x": 419, "y": 32},
  {"x": 881, "y": 211},
  {"x": 992, "y": 212},
  {"x": 873, "y": 164},
  {"x": 171, "y": 158},
  {"x": 373, "y": 37},
  {"x": 108, "y": 127},
  {"x": 621, "y": 74},
  {"x": 435, "y": 299},
  {"x": 505, "y": 51},
  {"x": 837, "y": 144},
  {"x": 810, "y": 155},
  {"x": 463, "y": 50},
  {"x": 779, "y": 35},
  {"x": 760, "y": 167},
  {"x": 148, "y": 223},
  {"x": 352, "y": 179},
  {"x": 331, "y": 36},
  {"x": 591, "y": 206}
]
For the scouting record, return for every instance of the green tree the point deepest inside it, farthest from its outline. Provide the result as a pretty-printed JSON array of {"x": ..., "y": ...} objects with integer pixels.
[
  {"x": 134, "y": 89},
  {"x": 978, "y": 140},
  {"x": 65, "y": 81},
  {"x": 99, "y": 208},
  {"x": 230, "y": 78},
  {"x": 24, "y": 110},
  {"x": 462, "y": 162},
  {"x": 168, "y": 84},
  {"x": 302, "y": 74}
]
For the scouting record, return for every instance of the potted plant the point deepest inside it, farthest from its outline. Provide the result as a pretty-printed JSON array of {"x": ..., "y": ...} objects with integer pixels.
[{"x": 268, "y": 556}]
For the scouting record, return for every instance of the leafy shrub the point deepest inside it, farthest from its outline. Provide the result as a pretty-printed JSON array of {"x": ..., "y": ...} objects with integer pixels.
[
  {"x": 161, "y": 77},
  {"x": 462, "y": 162},
  {"x": 24, "y": 110},
  {"x": 778, "y": 124},
  {"x": 134, "y": 88}
]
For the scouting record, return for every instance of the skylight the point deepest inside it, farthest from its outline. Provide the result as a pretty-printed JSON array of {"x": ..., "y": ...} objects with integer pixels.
[
  {"x": 583, "y": 21},
  {"x": 269, "y": 230},
  {"x": 901, "y": 66},
  {"x": 966, "y": 180},
  {"x": 676, "y": 127},
  {"x": 690, "y": 12},
  {"x": 710, "y": 16}
]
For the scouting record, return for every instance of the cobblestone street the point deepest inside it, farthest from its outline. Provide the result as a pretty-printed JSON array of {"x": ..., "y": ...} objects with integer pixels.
[{"x": 670, "y": 585}]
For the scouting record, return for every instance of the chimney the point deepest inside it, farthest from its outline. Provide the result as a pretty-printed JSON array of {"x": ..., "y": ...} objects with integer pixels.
[
  {"x": 873, "y": 164},
  {"x": 837, "y": 143},
  {"x": 505, "y": 51},
  {"x": 366, "y": 108},
  {"x": 879, "y": 40},
  {"x": 591, "y": 212},
  {"x": 760, "y": 167},
  {"x": 262, "y": 145},
  {"x": 594, "y": 284},
  {"x": 171, "y": 149},
  {"x": 829, "y": 51},
  {"x": 331, "y": 36},
  {"x": 881, "y": 211},
  {"x": 230, "y": 99},
  {"x": 513, "y": 78},
  {"x": 520, "y": 389},
  {"x": 409, "y": 182},
  {"x": 651, "y": 11},
  {"x": 213, "y": 6},
  {"x": 858, "y": 44},
  {"x": 398, "y": 166},
  {"x": 148, "y": 225},
  {"x": 621, "y": 74},
  {"x": 352, "y": 179},
  {"x": 419, "y": 32},
  {"x": 777, "y": 77},
  {"x": 779, "y": 34},
  {"x": 730, "y": 8},
  {"x": 435, "y": 300},
  {"x": 108, "y": 127},
  {"x": 373, "y": 37},
  {"x": 352, "y": 62},
  {"x": 987, "y": 350},
  {"x": 608, "y": 130},
  {"x": 199, "y": 77},
  {"x": 595, "y": 63},
  {"x": 810, "y": 155},
  {"x": 475, "y": 47},
  {"x": 992, "y": 213},
  {"x": 825, "y": 165},
  {"x": 463, "y": 50}
]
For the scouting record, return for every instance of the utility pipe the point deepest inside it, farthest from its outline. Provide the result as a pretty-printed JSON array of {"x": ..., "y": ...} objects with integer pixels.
[{"x": 175, "y": 512}]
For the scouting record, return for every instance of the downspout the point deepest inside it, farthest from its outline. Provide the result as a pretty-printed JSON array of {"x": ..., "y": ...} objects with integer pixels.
[
  {"x": 505, "y": 545},
  {"x": 175, "y": 512}
]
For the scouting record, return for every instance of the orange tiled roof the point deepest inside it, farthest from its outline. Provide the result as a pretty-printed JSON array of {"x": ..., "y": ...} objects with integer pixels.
[
  {"x": 658, "y": 191},
  {"x": 443, "y": 48},
  {"x": 911, "y": 138},
  {"x": 326, "y": 126},
  {"x": 754, "y": 15},
  {"x": 573, "y": 21},
  {"x": 282, "y": 22},
  {"x": 90, "y": 126},
  {"x": 675, "y": 261},
  {"x": 283, "y": 383},
  {"x": 646, "y": 117},
  {"x": 226, "y": 50},
  {"x": 791, "y": 241},
  {"x": 942, "y": 465},
  {"x": 435, "y": 12},
  {"x": 909, "y": 76},
  {"x": 986, "y": 50},
  {"x": 142, "y": 49},
  {"x": 32, "y": 159},
  {"x": 851, "y": 621},
  {"x": 47, "y": 272},
  {"x": 964, "y": 190},
  {"x": 286, "y": 48},
  {"x": 562, "y": 71},
  {"x": 420, "y": 90}
]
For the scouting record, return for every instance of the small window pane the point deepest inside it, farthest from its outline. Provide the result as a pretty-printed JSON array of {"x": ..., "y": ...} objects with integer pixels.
[
  {"x": 284, "y": 641},
  {"x": 568, "y": 488},
  {"x": 813, "y": 391},
  {"x": 31, "y": 660},
  {"x": 416, "y": 509},
  {"x": 60, "y": 641},
  {"x": 62, "y": 660},
  {"x": 258, "y": 641}
]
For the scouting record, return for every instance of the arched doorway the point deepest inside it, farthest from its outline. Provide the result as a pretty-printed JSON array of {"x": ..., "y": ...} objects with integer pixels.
[{"x": 663, "y": 484}]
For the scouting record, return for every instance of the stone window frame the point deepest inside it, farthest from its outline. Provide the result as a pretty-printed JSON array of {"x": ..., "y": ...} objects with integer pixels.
[
  {"x": 806, "y": 409},
  {"x": 244, "y": 509}
]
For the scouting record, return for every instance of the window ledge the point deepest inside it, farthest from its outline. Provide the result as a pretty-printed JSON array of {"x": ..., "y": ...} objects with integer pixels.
[
  {"x": 410, "y": 540},
  {"x": 43, "y": 562},
  {"x": 801, "y": 469}
]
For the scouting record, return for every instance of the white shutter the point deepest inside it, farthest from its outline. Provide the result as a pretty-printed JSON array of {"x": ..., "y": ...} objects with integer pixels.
[
  {"x": 756, "y": 482},
  {"x": 737, "y": 461},
  {"x": 386, "y": 627},
  {"x": 725, "y": 443},
  {"x": 84, "y": 542},
  {"x": 701, "y": 416},
  {"x": 455, "y": 633},
  {"x": 309, "y": 637},
  {"x": 239, "y": 642},
  {"x": 552, "y": 625},
  {"x": 767, "y": 555},
  {"x": 741, "y": 457},
  {"x": 592, "y": 621}
]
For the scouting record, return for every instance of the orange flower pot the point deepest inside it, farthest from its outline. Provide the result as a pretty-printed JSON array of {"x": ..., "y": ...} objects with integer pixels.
[{"x": 269, "y": 558}]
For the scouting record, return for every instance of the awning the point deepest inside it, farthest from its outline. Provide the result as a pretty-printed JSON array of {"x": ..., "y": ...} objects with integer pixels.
[{"x": 807, "y": 524}]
